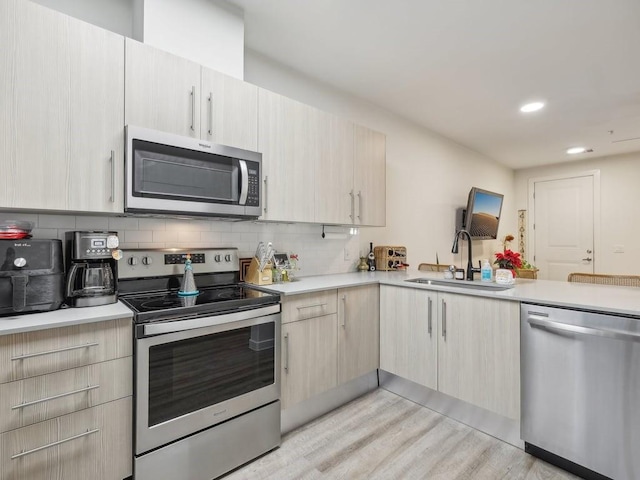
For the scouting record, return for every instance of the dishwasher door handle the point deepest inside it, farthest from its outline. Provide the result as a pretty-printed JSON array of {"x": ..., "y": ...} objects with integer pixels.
[{"x": 535, "y": 321}]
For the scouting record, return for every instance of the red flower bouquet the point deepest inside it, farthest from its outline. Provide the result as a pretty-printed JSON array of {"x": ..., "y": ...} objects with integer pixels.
[{"x": 509, "y": 260}]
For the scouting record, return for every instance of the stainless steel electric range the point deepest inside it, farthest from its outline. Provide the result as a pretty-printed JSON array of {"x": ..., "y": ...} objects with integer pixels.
[{"x": 207, "y": 383}]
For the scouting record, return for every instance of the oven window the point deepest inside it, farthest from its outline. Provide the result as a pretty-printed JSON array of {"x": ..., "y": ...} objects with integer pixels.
[{"x": 196, "y": 373}]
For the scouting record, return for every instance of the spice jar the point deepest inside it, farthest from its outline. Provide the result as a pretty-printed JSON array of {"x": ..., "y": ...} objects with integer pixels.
[{"x": 459, "y": 273}]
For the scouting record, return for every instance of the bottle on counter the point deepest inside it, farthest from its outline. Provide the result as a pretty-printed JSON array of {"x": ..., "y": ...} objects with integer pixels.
[
  {"x": 371, "y": 258},
  {"x": 486, "y": 272}
]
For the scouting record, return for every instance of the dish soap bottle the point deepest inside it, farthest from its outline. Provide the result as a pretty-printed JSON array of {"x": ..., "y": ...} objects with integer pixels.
[{"x": 486, "y": 272}]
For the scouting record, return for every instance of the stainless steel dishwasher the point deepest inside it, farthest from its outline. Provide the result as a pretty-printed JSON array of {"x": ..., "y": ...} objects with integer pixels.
[{"x": 581, "y": 390}]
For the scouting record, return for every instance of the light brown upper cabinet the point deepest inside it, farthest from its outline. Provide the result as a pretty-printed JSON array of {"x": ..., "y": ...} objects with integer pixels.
[
  {"x": 169, "y": 93},
  {"x": 369, "y": 179},
  {"x": 61, "y": 121}
]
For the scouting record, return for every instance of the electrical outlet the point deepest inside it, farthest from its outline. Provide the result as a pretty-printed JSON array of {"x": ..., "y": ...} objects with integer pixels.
[
  {"x": 347, "y": 255},
  {"x": 618, "y": 249}
]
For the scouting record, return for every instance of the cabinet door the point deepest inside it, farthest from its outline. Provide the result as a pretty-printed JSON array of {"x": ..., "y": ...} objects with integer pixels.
[
  {"x": 229, "y": 111},
  {"x": 334, "y": 196},
  {"x": 309, "y": 352},
  {"x": 479, "y": 352},
  {"x": 370, "y": 177},
  {"x": 162, "y": 90},
  {"x": 94, "y": 443},
  {"x": 358, "y": 331},
  {"x": 289, "y": 137},
  {"x": 62, "y": 92},
  {"x": 408, "y": 334}
]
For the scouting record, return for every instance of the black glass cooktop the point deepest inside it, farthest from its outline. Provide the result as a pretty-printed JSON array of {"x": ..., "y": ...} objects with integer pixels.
[{"x": 157, "y": 306}]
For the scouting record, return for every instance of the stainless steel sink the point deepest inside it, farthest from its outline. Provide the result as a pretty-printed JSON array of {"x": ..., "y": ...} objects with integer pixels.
[{"x": 461, "y": 284}]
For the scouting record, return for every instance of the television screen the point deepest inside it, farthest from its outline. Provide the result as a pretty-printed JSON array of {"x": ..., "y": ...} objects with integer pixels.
[{"x": 483, "y": 213}]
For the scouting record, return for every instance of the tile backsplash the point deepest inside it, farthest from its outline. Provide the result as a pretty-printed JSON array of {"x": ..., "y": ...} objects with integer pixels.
[{"x": 317, "y": 255}]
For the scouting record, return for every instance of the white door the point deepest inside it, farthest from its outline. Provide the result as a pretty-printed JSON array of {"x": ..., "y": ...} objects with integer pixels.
[{"x": 563, "y": 226}]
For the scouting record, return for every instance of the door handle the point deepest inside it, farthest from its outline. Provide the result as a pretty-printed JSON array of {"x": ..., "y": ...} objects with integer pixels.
[
  {"x": 286, "y": 352},
  {"x": 112, "y": 159},
  {"x": 430, "y": 315},
  {"x": 353, "y": 203},
  {"x": 360, "y": 206},
  {"x": 344, "y": 311},
  {"x": 193, "y": 108},
  {"x": 444, "y": 319},
  {"x": 535, "y": 321},
  {"x": 210, "y": 131},
  {"x": 266, "y": 202},
  {"x": 588, "y": 259}
]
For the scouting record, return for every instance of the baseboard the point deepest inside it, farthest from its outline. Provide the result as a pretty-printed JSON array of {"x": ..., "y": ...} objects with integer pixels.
[{"x": 503, "y": 428}]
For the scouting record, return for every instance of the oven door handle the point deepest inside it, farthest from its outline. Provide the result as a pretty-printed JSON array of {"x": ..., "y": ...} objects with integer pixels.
[{"x": 210, "y": 321}]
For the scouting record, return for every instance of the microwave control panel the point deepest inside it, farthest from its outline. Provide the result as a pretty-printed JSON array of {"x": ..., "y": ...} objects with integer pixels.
[{"x": 253, "y": 197}]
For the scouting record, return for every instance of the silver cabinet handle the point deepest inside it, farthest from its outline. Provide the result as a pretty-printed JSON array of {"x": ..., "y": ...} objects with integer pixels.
[
  {"x": 444, "y": 319},
  {"x": 112, "y": 199},
  {"x": 193, "y": 108},
  {"x": 353, "y": 205},
  {"x": 535, "y": 321},
  {"x": 35, "y": 402},
  {"x": 51, "y": 352},
  {"x": 210, "y": 131},
  {"x": 344, "y": 310},
  {"x": 286, "y": 352},
  {"x": 265, "y": 193},
  {"x": 360, "y": 206},
  {"x": 429, "y": 329},
  {"x": 313, "y": 306},
  {"x": 29, "y": 452}
]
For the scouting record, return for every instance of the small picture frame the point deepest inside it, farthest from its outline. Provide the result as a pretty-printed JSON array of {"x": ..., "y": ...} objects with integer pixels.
[
  {"x": 281, "y": 260},
  {"x": 244, "y": 268}
]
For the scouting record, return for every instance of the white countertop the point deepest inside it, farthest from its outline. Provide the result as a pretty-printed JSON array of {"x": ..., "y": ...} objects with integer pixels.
[
  {"x": 62, "y": 318},
  {"x": 601, "y": 298}
]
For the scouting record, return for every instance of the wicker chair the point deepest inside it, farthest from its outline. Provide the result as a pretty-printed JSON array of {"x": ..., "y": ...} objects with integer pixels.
[
  {"x": 433, "y": 267},
  {"x": 602, "y": 279}
]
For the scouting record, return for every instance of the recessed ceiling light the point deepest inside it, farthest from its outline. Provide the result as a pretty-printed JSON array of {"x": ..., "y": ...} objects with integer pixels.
[
  {"x": 531, "y": 107},
  {"x": 575, "y": 150}
]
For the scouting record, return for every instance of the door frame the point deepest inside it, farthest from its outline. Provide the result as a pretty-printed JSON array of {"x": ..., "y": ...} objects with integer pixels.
[{"x": 595, "y": 175}]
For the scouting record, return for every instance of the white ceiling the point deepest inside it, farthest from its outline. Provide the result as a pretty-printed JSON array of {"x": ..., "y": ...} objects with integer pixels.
[{"x": 463, "y": 67}]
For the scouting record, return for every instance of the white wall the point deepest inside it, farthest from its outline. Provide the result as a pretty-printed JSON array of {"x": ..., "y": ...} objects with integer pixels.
[
  {"x": 209, "y": 32},
  {"x": 428, "y": 176},
  {"x": 113, "y": 15},
  {"x": 620, "y": 197}
]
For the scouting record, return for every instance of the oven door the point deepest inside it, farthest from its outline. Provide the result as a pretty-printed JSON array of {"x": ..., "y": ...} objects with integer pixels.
[
  {"x": 203, "y": 373},
  {"x": 169, "y": 173}
]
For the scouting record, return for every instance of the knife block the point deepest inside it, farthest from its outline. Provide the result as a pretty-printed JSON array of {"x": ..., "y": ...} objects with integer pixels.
[{"x": 257, "y": 277}]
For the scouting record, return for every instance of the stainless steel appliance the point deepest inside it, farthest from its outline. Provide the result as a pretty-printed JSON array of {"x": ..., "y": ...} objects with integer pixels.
[
  {"x": 31, "y": 276},
  {"x": 207, "y": 383},
  {"x": 581, "y": 390},
  {"x": 170, "y": 174},
  {"x": 91, "y": 259}
]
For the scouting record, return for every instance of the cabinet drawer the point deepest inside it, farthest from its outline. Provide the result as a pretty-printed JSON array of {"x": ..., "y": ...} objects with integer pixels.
[
  {"x": 309, "y": 305},
  {"x": 29, "y": 354},
  {"x": 91, "y": 444},
  {"x": 36, "y": 399}
]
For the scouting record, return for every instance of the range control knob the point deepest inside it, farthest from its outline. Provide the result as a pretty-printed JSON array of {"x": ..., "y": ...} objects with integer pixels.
[
  {"x": 217, "y": 258},
  {"x": 20, "y": 262},
  {"x": 133, "y": 261},
  {"x": 147, "y": 260},
  {"x": 227, "y": 258}
]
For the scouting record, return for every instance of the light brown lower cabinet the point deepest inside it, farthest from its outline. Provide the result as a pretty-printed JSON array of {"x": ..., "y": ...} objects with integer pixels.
[
  {"x": 464, "y": 346},
  {"x": 90, "y": 444},
  {"x": 309, "y": 362}
]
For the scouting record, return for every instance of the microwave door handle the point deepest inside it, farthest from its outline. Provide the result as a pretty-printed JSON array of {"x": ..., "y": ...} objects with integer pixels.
[{"x": 244, "y": 176}]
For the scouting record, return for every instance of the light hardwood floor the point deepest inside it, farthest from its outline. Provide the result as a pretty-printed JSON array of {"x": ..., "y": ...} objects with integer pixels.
[{"x": 384, "y": 436}]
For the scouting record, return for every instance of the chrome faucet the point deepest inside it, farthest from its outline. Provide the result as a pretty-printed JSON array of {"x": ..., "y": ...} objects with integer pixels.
[{"x": 470, "y": 269}]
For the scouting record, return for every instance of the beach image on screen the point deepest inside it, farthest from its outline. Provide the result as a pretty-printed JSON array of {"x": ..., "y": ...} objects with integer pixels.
[{"x": 485, "y": 215}]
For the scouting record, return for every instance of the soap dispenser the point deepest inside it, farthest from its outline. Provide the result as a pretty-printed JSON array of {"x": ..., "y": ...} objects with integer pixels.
[{"x": 486, "y": 272}]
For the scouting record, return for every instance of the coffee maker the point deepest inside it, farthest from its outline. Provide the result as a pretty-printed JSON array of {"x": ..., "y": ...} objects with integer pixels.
[{"x": 92, "y": 276}]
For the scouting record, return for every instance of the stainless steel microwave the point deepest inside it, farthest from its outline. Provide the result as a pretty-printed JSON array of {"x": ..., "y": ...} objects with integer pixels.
[{"x": 174, "y": 175}]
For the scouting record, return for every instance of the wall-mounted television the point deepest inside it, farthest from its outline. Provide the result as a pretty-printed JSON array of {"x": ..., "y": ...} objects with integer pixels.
[{"x": 483, "y": 213}]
